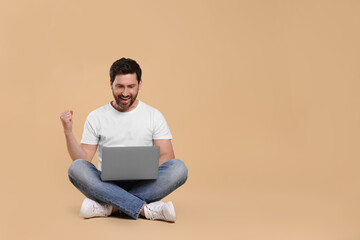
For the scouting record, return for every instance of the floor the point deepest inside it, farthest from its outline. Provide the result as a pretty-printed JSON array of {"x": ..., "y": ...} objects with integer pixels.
[{"x": 202, "y": 213}]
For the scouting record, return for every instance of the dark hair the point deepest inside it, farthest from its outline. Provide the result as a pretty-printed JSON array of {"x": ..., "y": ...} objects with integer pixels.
[{"x": 125, "y": 66}]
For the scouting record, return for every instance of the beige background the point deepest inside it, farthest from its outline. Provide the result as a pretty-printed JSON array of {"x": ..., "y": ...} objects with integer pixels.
[{"x": 262, "y": 98}]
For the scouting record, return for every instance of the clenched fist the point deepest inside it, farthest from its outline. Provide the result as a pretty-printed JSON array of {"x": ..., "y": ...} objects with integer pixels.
[{"x": 66, "y": 120}]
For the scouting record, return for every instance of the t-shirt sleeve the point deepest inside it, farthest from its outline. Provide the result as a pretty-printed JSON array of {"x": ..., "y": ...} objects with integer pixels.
[
  {"x": 161, "y": 129},
  {"x": 90, "y": 133}
]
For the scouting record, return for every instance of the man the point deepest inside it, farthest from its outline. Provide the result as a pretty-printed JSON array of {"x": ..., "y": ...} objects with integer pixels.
[{"x": 125, "y": 121}]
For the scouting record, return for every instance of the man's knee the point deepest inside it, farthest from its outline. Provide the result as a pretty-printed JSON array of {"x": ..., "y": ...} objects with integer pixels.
[
  {"x": 180, "y": 171},
  {"x": 76, "y": 168}
]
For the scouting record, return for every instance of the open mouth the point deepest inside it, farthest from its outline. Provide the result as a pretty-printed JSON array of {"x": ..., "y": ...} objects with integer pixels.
[{"x": 124, "y": 100}]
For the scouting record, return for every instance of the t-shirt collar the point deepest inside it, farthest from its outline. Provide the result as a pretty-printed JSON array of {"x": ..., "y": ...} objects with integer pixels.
[{"x": 115, "y": 110}]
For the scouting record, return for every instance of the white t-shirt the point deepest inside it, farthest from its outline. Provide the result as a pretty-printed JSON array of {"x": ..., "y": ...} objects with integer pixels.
[{"x": 108, "y": 127}]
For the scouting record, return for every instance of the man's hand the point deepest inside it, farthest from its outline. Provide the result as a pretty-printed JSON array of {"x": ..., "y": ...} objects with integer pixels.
[
  {"x": 66, "y": 120},
  {"x": 75, "y": 150}
]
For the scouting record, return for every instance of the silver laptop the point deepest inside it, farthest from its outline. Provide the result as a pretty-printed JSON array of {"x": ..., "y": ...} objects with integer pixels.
[{"x": 130, "y": 163}]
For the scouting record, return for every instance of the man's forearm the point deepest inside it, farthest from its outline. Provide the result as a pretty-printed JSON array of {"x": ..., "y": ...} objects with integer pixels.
[
  {"x": 165, "y": 157},
  {"x": 74, "y": 149}
]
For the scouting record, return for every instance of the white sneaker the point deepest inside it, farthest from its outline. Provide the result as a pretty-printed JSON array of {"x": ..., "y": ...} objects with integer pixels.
[
  {"x": 160, "y": 210},
  {"x": 91, "y": 208}
]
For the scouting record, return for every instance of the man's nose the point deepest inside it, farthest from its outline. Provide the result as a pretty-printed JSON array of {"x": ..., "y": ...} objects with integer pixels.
[{"x": 125, "y": 93}]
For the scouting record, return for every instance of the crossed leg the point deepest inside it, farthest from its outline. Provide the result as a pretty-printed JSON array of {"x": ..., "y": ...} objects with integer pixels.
[{"x": 85, "y": 177}]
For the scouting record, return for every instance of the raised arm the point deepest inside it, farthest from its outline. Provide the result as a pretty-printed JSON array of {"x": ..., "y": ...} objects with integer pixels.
[{"x": 76, "y": 150}]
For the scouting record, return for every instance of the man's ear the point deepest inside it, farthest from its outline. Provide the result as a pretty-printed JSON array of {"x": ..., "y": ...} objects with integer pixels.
[
  {"x": 140, "y": 84},
  {"x": 111, "y": 84}
]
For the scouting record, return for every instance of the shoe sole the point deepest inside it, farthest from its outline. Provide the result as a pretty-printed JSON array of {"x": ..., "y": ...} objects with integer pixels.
[
  {"x": 172, "y": 216},
  {"x": 83, "y": 209}
]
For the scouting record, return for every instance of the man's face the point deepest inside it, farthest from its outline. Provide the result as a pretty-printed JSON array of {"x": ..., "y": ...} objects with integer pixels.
[{"x": 125, "y": 89}]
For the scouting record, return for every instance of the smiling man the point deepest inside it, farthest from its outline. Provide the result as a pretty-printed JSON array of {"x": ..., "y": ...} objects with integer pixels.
[{"x": 125, "y": 121}]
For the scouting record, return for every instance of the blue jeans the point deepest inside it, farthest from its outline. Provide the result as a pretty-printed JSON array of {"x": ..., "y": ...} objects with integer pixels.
[{"x": 128, "y": 196}]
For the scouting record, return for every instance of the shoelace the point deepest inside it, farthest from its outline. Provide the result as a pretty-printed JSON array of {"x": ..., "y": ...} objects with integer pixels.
[
  {"x": 98, "y": 208},
  {"x": 156, "y": 212}
]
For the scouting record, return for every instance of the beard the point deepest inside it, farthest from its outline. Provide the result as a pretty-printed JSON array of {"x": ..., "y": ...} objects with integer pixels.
[{"x": 128, "y": 104}]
